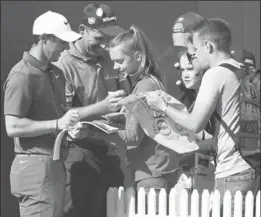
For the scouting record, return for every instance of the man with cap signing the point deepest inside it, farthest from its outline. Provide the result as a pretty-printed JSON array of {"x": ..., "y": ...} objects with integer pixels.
[
  {"x": 34, "y": 97},
  {"x": 85, "y": 66}
]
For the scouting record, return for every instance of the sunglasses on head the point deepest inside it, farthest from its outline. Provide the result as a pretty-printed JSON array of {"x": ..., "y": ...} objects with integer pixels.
[{"x": 190, "y": 56}]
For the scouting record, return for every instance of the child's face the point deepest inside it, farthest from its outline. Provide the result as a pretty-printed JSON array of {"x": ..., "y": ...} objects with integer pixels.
[{"x": 190, "y": 77}]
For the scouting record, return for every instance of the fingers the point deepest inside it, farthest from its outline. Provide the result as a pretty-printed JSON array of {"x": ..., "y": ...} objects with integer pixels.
[
  {"x": 118, "y": 93},
  {"x": 115, "y": 99}
]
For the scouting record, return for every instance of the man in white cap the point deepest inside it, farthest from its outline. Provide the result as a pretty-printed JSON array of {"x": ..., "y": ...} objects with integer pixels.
[{"x": 33, "y": 108}]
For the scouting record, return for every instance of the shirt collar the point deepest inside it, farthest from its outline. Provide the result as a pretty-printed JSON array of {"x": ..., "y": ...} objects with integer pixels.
[
  {"x": 75, "y": 52},
  {"x": 35, "y": 62}
]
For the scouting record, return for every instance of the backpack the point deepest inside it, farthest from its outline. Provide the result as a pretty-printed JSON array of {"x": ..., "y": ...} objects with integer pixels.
[{"x": 248, "y": 139}]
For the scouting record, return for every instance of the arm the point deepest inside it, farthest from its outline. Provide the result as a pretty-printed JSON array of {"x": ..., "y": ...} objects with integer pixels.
[
  {"x": 251, "y": 101},
  {"x": 85, "y": 112},
  {"x": 17, "y": 103},
  {"x": 133, "y": 133},
  {"x": 204, "y": 105},
  {"x": 24, "y": 127}
]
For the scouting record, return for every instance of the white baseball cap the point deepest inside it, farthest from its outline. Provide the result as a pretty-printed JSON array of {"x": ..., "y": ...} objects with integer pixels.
[{"x": 56, "y": 24}]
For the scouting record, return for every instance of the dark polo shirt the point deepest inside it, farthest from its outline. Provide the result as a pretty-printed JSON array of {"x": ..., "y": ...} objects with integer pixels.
[
  {"x": 34, "y": 91},
  {"x": 88, "y": 80}
]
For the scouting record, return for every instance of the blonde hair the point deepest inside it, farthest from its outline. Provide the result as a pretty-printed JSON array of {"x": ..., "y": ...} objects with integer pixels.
[{"x": 135, "y": 40}]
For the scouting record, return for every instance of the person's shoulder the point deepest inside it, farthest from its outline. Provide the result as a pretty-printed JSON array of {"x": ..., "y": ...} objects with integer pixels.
[
  {"x": 146, "y": 84},
  {"x": 65, "y": 57},
  {"x": 21, "y": 70},
  {"x": 220, "y": 71}
]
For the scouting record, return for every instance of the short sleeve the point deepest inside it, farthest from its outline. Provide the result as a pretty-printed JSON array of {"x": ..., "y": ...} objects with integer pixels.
[
  {"x": 69, "y": 87},
  {"x": 17, "y": 95}
]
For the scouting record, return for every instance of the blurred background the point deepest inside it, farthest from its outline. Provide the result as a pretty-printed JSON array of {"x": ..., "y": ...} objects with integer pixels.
[{"x": 155, "y": 18}]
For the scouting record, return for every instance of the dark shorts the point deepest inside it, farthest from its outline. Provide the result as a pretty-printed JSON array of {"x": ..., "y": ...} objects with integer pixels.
[
  {"x": 38, "y": 182},
  {"x": 87, "y": 182}
]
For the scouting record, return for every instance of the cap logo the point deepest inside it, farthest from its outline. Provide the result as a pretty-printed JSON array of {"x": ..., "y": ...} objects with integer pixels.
[
  {"x": 91, "y": 20},
  {"x": 99, "y": 12},
  {"x": 249, "y": 61},
  {"x": 66, "y": 22},
  {"x": 178, "y": 27},
  {"x": 180, "y": 19},
  {"x": 107, "y": 19}
]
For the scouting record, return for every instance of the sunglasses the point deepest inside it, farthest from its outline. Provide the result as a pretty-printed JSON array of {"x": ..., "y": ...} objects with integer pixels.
[{"x": 190, "y": 57}]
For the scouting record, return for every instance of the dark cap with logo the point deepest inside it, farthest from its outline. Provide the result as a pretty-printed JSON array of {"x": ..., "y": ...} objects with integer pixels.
[
  {"x": 247, "y": 58},
  {"x": 101, "y": 16},
  {"x": 185, "y": 23}
]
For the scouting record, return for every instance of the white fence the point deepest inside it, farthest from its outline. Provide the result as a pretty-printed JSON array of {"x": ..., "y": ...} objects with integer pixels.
[{"x": 122, "y": 203}]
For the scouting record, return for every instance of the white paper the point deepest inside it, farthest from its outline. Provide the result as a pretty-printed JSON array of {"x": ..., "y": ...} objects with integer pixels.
[{"x": 160, "y": 127}]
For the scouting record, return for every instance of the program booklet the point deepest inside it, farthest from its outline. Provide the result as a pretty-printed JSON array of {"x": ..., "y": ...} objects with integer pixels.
[{"x": 104, "y": 125}]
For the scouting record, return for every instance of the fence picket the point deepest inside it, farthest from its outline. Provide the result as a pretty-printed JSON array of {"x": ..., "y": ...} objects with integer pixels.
[
  {"x": 162, "y": 203},
  {"x": 121, "y": 203},
  {"x": 111, "y": 202},
  {"x": 152, "y": 202},
  {"x": 258, "y": 204},
  {"x": 227, "y": 204},
  {"x": 184, "y": 203},
  {"x": 141, "y": 202},
  {"x": 249, "y": 204},
  {"x": 205, "y": 204},
  {"x": 216, "y": 204},
  {"x": 195, "y": 204},
  {"x": 172, "y": 203},
  {"x": 130, "y": 198},
  {"x": 238, "y": 204}
]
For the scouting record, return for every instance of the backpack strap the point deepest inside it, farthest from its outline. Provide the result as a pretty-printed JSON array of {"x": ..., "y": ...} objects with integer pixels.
[
  {"x": 229, "y": 66},
  {"x": 217, "y": 116},
  {"x": 227, "y": 128},
  {"x": 234, "y": 69}
]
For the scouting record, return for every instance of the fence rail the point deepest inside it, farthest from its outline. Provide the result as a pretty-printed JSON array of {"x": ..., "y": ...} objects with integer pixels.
[{"x": 121, "y": 203}]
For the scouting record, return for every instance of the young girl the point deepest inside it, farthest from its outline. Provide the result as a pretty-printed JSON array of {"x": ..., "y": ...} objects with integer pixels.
[{"x": 152, "y": 164}]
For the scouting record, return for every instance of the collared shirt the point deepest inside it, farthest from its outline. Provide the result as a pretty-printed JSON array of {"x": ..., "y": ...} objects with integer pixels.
[
  {"x": 85, "y": 77},
  {"x": 34, "y": 91},
  {"x": 85, "y": 81}
]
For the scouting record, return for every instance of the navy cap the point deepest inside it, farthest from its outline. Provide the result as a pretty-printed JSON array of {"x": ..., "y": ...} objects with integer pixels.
[
  {"x": 184, "y": 24},
  {"x": 244, "y": 56},
  {"x": 101, "y": 16}
]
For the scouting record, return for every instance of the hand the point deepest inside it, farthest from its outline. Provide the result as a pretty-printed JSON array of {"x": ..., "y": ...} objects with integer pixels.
[
  {"x": 156, "y": 100},
  {"x": 110, "y": 102},
  {"x": 69, "y": 119},
  {"x": 80, "y": 132}
]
